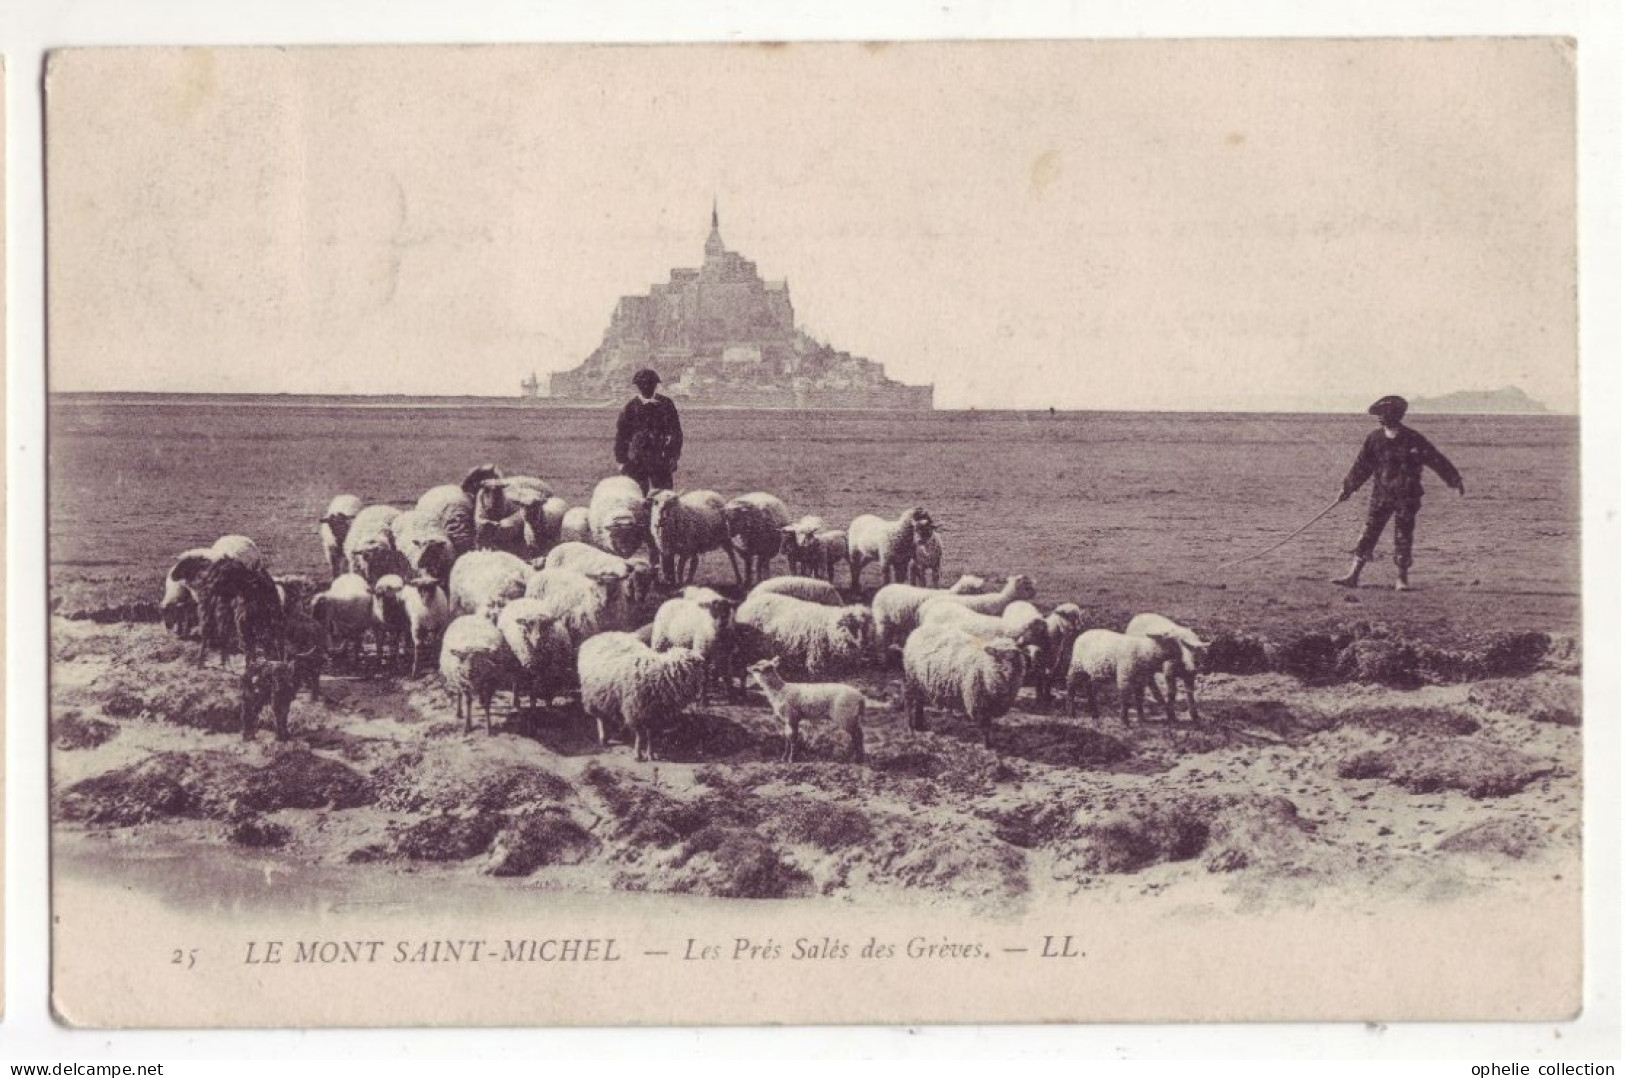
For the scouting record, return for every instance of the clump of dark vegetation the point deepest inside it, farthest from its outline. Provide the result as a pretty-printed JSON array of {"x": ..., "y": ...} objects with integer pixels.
[
  {"x": 1376, "y": 654},
  {"x": 1557, "y": 701},
  {"x": 144, "y": 791},
  {"x": 1516, "y": 838},
  {"x": 259, "y": 833},
  {"x": 732, "y": 862},
  {"x": 1412, "y": 721},
  {"x": 448, "y": 838},
  {"x": 70, "y": 730},
  {"x": 828, "y": 826},
  {"x": 1227, "y": 831},
  {"x": 532, "y": 840},
  {"x": 1431, "y": 764}
]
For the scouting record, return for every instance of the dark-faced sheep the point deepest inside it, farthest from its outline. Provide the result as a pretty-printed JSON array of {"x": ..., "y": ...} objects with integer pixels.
[
  {"x": 239, "y": 610},
  {"x": 334, "y": 528},
  {"x": 475, "y": 662},
  {"x": 618, "y": 516},
  {"x": 756, "y": 524}
]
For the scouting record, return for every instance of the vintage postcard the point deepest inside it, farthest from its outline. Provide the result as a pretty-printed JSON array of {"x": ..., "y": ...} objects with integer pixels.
[{"x": 827, "y": 533}]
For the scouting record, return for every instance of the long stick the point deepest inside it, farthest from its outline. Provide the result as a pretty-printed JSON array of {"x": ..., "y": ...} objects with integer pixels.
[{"x": 1312, "y": 521}]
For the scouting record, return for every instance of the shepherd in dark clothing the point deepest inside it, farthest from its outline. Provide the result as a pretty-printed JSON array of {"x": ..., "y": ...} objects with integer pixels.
[
  {"x": 1393, "y": 455},
  {"x": 649, "y": 436}
]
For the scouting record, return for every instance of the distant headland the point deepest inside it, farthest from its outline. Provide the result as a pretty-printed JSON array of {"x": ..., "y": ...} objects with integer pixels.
[
  {"x": 721, "y": 335},
  {"x": 1509, "y": 400}
]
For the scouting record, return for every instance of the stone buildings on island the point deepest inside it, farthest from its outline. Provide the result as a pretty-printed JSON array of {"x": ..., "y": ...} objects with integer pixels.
[{"x": 721, "y": 335}]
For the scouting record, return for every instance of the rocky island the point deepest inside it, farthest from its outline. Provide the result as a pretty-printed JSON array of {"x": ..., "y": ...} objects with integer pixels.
[{"x": 721, "y": 335}]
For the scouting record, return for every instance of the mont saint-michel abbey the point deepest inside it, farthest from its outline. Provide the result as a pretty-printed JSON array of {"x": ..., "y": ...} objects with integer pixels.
[{"x": 722, "y": 335}]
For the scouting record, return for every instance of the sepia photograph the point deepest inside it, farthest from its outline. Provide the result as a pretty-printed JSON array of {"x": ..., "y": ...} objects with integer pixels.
[{"x": 978, "y": 531}]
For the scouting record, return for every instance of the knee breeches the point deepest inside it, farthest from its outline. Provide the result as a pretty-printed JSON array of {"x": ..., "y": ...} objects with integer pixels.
[{"x": 1404, "y": 517}]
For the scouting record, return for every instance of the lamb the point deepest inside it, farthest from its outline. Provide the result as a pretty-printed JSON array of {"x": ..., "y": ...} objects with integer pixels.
[
  {"x": 334, "y": 527},
  {"x": 346, "y": 609},
  {"x": 544, "y": 657},
  {"x": 1129, "y": 661},
  {"x": 424, "y": 542},
  {"x": 453, "y": 509},
  {"x": 1061, "y": 626},
  {"x": 889, "y": 542},
  {"x": 585, "y": 605},
  {"x": 238, "y": 606},
  {"x": 576, "y": 525},
  {"x": 927, "y": 561},
  {"x": 897, "y": 608},
  {"x": 812, "y": 639},
  {"x": 756, "y": 531},
  {"x": 802, "y": 587},
  {"x": 428, "y": 612},
  {"x": 475, "y": 662},
  {"x": 618, "y": 515},
  {"x": 945, "y": 666},
  {"x": 700, "y": 620},
  {"x": 824, "y": 550},
  {"x": 796, "y": 537},
  {"x": 1192, "y": 649},
  {"x": 369, "y": 548},
  {"x": 482, "y": 580},
  {"x": 1015, "y": 588},
  {"x": 685, "y": 526},
  {"x": 823, "y": 701},
  {"x": 178, "y": 609},
  {"x": 628, "y": 683},
  {"x": 390, "y": 626}
]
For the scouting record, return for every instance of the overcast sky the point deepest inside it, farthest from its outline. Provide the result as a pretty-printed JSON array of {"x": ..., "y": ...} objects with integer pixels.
[{"x": 1186, "y": 225}]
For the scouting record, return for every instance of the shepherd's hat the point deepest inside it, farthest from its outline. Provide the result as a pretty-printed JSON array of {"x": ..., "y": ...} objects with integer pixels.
[{"x": 1389, "y": 406}]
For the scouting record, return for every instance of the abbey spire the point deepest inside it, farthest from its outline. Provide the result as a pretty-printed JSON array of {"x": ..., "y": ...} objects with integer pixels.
[{"x": 713, "y": 242}]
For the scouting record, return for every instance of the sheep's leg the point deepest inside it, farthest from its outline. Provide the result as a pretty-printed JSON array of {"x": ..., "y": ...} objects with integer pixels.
[
  {"x": 485, "y": 704},
  {"x": 1094, "y": 703},
  {"x": 733, "y": 563},
  {"x": 1189, "y": 678},
  {"x": 283, "y": 702},
  {"x": 1071, "y": 697},
  {"x": 792, "y": 731},
  {"x": 1156, "y": 694}
]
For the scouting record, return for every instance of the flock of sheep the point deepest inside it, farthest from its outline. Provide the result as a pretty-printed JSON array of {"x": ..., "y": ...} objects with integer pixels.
[{"x": 519, "y": 591}]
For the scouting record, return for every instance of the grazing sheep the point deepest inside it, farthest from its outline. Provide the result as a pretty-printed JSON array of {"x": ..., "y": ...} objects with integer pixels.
[
  {"x": 239, "y": 548},
  {"x": 945, "y": 666},
  {"x": 897, "y": 608},
  {"x": 756, "y": 531},
  {"x": 1192, "y": 650},
  {"x": 889, "y": 542},
  {"x": 585, "y": 605},
  {"x": 796, "y": 538},
  {"x": 238, "y": 608},
  {"x": 453, "y": 509},
  {"x": 428, "y": 612},
  {"x": 802, "y": 587},
  {"x": 618, "y": 515},
  {"x": 700, "y": 620},
  {"x": 275, "y": 682},
  {"x": 1129, "y": 661},
  {"x": 475, "y": 662},
  {"x": 544, "y": 657},
  {"x": 1061, "y": 626},
  {"x": 576, "y": 526},
  {"x": 369, "y": 548},
  {"x": 334, "y": 527},
  {"x": 482, "y": 580},
  {"x": 424, "y": 542},
  {"x": 1027, "y": 630},
  {"x": 922, "y": 571},
  {"x": 685, "y": 526},
  {"x": 178, "y": 610},
  {"x": 821, "y": 701},
  {"x": 390, "y": 626},
  {"x": 1015, "y": 588},
  {"x": 346, "y": 609},
  {"x": 585, "y": 558},
  {"x": 812, "y": 639},
  {"x": 629, "y": 684}
]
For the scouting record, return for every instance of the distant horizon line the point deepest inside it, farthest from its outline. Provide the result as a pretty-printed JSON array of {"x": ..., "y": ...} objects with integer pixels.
[{"x": 547, "y": 402}]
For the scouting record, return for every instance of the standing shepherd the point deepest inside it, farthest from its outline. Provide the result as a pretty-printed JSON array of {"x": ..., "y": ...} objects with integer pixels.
[
  {"x": 1394, "y": 454},
  {"x": 649, "y": 436}
]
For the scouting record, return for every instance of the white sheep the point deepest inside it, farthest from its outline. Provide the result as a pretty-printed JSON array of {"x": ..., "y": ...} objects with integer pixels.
[
  {"x": 584, "y": 605},
  {"x": 544, "y": 658},
  {"x": 1192, "y": 650},
  {"x": 626, "y": 683},
  {"x": 333, "y": 527},
  {"x": 889, "y": 542},
  {"x": 700, "y": 620},
  {"x": 424, "y": 542},
  {"x": 584, "y": 558},
  {"x": 945, "y": 666},
  {"x": 428, "y": 612},
  {"x": 794, "y": 704},
  {"x": 390, "y": 625},
  {"x": 178, "y": 609},
  {"x": 796, "y": 537},
  {"x": 756, "y": 531},
  {"x": 482, "y": 580},
  {"x": 897, "y": 608},
  {"x": 1130, "y": 662},
  {"x": 241, "y": 549},
  {"x": 812, "y": 639},
  {"x": 618, "y": 515},
  {"x": 685, "y": 526},
  {"x": 927, "y": 563},
  {"x": 453, "y": 509},
  {"x": 475, "y": 662},
  {"x": 1015, "y": 588},
  {"x": 802, "y": 587},
  {"x": 576, "y": 525},
  {"x": 369, "y": 548},
  {"x": 345, "y": 608},
  {"x": 1061, "y": 627},
  {"x": 1026, "y": 627}
]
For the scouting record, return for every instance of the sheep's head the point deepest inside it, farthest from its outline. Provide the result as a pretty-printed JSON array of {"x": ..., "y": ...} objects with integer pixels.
[
  {"x": 625, "y": 537},
  {"x": 1020, "y": 587},
  {"x": 491, "y": 500},
  {"x": 433, "y": 558},
  {"x": 179, "y": 612},
  {"x": 1167, "y": 640},
  {"x": 478, "y": 476},
  {"x": 1034, "y": 634},
  {"x": 1192, "y": 650},
  {"x": 857, "y": 624},
  {"x": 766, "y": 673},
  {"x": 425, "y": 585},
  {"x": 338, "y": 524},
  {"x": 1071, "y": 614}
]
